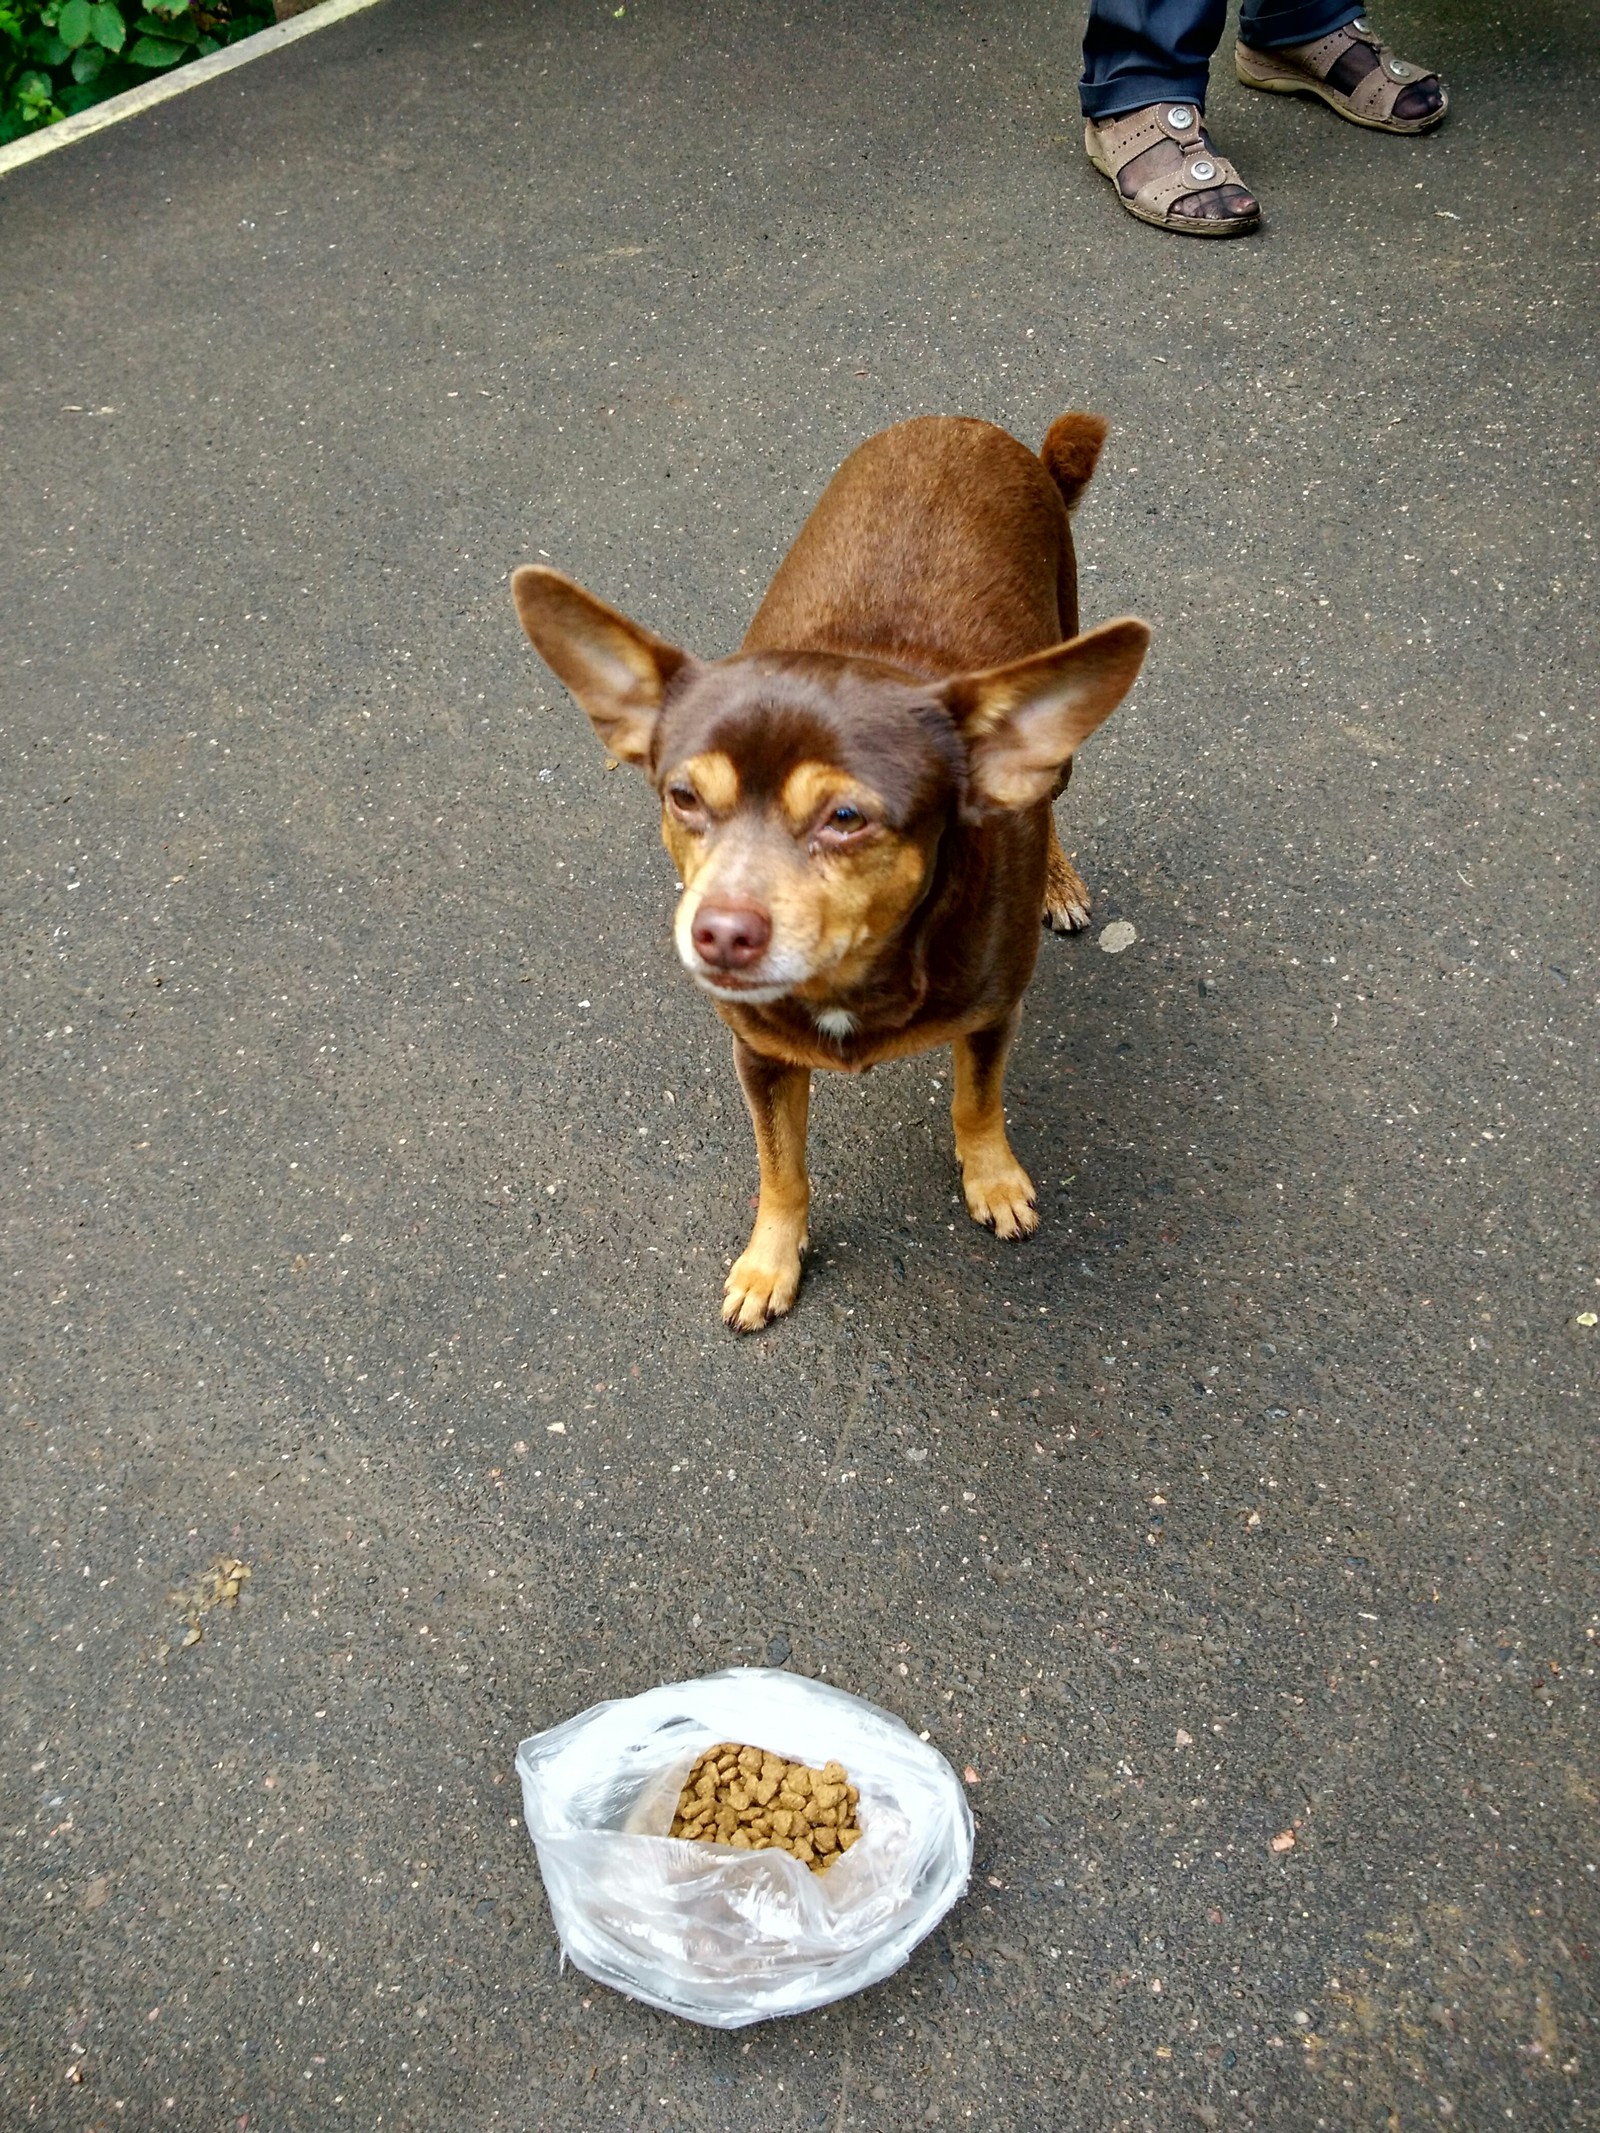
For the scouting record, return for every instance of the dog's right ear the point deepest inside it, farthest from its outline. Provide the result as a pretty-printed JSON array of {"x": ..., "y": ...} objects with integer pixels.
[{"x": 618, "y": 671}]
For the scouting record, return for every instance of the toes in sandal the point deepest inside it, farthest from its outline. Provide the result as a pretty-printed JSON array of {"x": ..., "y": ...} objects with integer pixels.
[
  {"x": 1113, "y": 143},
  {"x": 1303, "y": 70}
]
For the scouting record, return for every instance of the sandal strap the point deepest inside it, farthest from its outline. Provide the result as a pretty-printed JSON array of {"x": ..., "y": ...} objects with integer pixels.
[
  {"x": 1201, "y": 171},
  {"x": 1379, "y": 89},
  {"x": 1321, "y": 54}
]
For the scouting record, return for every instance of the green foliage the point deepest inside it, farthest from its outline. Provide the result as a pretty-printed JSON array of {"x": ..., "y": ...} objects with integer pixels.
[{"x": 60, "y": 56}]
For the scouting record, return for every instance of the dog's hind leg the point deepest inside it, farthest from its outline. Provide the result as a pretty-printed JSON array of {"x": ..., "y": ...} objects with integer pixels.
[
  {"x": 1066, "y": 893},
  {"x": 766, "y": 1275},
  {"x": 999, "y": 1192}
]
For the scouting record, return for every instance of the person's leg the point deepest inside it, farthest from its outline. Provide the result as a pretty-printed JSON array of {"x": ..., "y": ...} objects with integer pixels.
[
  {"x": 1266, "y": 24},
  {"x": 1146, "y": 64},
  {"x": 1293, "y": 26},
  {"x": 1138, "y": 52}
]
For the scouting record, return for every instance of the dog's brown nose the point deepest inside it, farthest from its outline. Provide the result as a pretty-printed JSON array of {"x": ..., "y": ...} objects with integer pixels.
[{"x": 730, "y": 936}]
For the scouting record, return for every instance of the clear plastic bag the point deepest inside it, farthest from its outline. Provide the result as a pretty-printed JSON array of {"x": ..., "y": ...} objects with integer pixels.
[{"x": 729, "y": 1937}]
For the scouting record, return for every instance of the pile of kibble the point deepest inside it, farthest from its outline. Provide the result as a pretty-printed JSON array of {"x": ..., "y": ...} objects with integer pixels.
[{"x": 757, "y": 1802}]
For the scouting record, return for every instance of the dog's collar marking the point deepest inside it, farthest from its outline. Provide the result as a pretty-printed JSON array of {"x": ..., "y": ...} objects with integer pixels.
[{"x": 837, "y": 1022}]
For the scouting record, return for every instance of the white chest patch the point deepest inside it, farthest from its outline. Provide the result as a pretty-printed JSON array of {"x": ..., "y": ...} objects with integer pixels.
[{"x": 837, "y": 1023}]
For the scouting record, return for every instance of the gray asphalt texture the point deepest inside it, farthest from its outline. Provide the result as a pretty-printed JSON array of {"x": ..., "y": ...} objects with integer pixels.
[{"x": 372, "y": 1168}]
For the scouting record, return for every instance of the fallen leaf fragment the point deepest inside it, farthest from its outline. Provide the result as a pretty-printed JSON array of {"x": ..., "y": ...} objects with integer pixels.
[
  {"x": 1283, "y": 1841},
  {"x": 1184, "y": 1740},
  {"x": 219, "y": 1586},
  {"x": 1588, "y": 1318},
  {"x": 970, "y": 1775}
]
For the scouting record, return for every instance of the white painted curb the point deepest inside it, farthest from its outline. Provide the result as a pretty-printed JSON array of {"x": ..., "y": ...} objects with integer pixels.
[{"x": 115, "y": 108}]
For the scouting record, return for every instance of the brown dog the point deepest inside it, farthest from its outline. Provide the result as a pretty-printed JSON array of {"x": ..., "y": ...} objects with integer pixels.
[{"x": 858, "y": 802}]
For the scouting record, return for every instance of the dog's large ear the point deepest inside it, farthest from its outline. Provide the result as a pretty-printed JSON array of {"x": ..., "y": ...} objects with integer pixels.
[
  {"x": 1022, "y": 722},
  {"x": 618, "y": 671}
]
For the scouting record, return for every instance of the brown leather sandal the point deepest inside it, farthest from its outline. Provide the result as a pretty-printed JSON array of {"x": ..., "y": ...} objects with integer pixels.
[
  {"x": 1113, "y": 143},
  {"x": 1303, "y": 70}
]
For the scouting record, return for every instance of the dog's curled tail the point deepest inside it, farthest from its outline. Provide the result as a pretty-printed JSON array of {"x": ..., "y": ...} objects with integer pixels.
[{"x": 1070, "y": 450}]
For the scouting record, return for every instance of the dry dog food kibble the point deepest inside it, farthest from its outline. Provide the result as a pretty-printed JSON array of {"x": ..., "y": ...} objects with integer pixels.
[{"x": 757, "y": 1802}]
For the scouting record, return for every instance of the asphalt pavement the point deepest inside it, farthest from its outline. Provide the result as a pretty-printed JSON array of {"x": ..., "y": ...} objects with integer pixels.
[{"x": 371, "y": 1168}]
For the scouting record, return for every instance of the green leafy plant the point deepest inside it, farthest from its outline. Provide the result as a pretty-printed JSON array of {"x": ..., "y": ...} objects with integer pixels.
[{"x": 60, "y": 56}]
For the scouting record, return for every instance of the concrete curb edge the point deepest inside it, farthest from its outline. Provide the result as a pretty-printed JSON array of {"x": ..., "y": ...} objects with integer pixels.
[{"x": 132, "y": 101}]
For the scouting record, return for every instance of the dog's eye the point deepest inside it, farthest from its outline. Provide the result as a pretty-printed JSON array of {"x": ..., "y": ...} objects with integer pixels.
[
  {"x": 685, "y": 800},
  {"x": 840, "y": 829}
]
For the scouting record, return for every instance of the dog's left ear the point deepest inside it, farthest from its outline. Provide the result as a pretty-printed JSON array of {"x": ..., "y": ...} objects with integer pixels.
[
  {"x": 618, "y": 670},
  {"x": 1022, "y": 722}
]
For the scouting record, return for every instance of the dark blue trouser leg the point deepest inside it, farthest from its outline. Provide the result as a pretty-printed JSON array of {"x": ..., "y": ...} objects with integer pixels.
[
  {"x": 1138, "y": 52},
  {"x": 1266, "y": 24}
]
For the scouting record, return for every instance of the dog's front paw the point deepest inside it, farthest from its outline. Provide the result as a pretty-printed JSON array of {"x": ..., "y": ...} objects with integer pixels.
[
  {"x": 762, "y": 1286},
  {"x": 1001, "y": 1199}
]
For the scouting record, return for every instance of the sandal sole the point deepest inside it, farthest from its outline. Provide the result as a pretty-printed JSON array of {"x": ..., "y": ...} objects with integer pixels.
[
  {"x": 1297, "y": 85},
  {"x": 1181, "y": 225}
]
